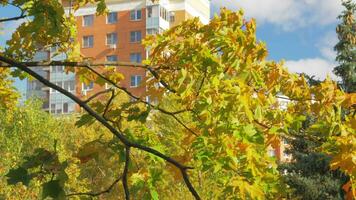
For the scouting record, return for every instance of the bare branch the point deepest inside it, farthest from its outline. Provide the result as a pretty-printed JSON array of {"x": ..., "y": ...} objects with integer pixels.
[
  {"x": 87, "y": 64},
  {"x": 78, "y": 64},
  {"x": 95, "y": 194},
  {"x": 104, "y": 122},
  {"x": 21, "y": 16},
  {"x": 154, "y": 73},
  {"x": 13, "y": 18},
  {"x": 173, "y": 114},
  {"x": 124, "y": 175},
  {"x": 109, "y": 102}
]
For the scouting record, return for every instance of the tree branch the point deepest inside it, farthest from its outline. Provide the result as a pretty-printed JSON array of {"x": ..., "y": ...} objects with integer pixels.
[
  {"x": 21, "y": 16},
  {"x": 124, "y": 175},
  {"x": 87, "y": 64},
  {"x": 104, "y": 122},
  {"x": 13, "y": 18},
  {"x": 173, "y": 114},
  {"x": 92, "y": 194}
]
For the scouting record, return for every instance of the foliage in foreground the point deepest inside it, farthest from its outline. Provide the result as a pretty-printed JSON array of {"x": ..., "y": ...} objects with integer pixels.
[{"x": 226, "y": 100}]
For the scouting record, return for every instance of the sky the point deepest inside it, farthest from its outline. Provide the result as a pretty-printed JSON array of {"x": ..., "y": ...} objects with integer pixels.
[{"x": 300, "y": 32}]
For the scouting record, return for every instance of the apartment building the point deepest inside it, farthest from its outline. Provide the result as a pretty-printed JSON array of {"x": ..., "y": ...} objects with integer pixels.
[{"x": 115, "y": 36}]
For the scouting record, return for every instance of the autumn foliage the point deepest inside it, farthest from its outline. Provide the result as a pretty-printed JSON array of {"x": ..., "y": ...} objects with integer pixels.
[{"x": 219, "y": 109}]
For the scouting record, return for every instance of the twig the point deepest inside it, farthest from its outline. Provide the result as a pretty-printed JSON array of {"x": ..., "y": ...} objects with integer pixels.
[
  {"x": 173, "y": 114},
  {"x": 124, "y": 175},
  {"x": 21, "y": 16},
  {"x": 94, "y": 194}
]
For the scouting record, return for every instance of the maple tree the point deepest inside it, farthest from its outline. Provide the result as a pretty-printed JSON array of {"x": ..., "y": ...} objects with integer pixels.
[{"x": 219, "y": 108}]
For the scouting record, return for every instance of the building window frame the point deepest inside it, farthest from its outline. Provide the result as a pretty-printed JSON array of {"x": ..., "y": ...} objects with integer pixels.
[
  {"x": 89, "y": 87},
  {"x": 88, "y": 41},
  {"x": 136, "y": 15},
  {"x": 111, "y": 38},
  {"x": 112, "y": 58},
  {"x": 135, "y": 36},
  {"x": 136, "y": 57},
  {"x": 88, "y": 20},
  {"x": 111, "y": 18},
  {"x": 135, "y": 81}
]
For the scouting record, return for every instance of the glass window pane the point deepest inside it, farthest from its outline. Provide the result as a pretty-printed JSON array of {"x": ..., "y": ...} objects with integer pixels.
[
  {"x": 132, "y": 15},
  {"x": 132, "y": 36},
  {"x": 65, "y": 108},
  {"x": 139, "y": 14},
  {"x": 139, "y": 78},
  {"x": 66, "y": 85},
  {"x": 88, "y": 20},
  {"x": 133, "y": 81},
  {"x": 71, "y": 85},
  {"x": 112, "y": 58},
  {"x": 112, "y": 18}
]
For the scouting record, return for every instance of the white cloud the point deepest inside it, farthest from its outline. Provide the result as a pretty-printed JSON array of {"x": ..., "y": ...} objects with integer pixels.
[
  {"x": 289, "y": 14},
  {"x": 318, "y": 67},
  {"x": 326, "y": 45}
]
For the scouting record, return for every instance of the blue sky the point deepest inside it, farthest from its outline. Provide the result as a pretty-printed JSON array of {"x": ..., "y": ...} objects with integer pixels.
[{"x": 301, "y": 32}]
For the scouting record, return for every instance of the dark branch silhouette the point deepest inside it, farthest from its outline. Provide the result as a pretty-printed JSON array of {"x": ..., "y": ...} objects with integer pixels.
[
  {"x": 124, "y": 175},
  {"x": 95, "y": 194}
]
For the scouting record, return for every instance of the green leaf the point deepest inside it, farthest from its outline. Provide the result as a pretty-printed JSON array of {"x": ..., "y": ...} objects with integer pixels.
[
  {"x": 39, "y": 157},
  {"x": 85, "y": 120},
  {"x": 101, "y": 7},
  {"x": 249, "y": 130},
  {"x": 258, "y": 114},
  {"x": 141, "y": 117},
  {"x": 18, "y": 175},
  {"x": 90, "y": 151},
  {"x": 53, "y": 189},
  {"x": 154, "y": 194}
]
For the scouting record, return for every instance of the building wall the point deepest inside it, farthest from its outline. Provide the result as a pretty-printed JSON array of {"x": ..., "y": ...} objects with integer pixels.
[
  {"x": 123, "y": 49},
  {"x": 182, "y": 9}
]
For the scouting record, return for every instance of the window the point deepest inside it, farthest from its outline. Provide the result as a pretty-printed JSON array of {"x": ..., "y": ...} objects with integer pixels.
[
  {"x": 135, "y": 80},
  {"x": 112, "y": 58},
  {"x": 111, "y": 18},
  {"x": 163, "y": 13},
  {"x": 111, "y": 39},
  {"x": 135, "y": 36},
  {"x": 136, "y": 57},
  {"x": 58, "y": 69},
  {"x": 53, "y": 108},
  {"x": 172, "y": 17},
  {"x": 88, "y": 87},
  {"x": 88, "y": 41},
  {"x": 65, "y": 107},
  {"x": 152, "y": 31},
  {"x": 149, "y": 12},
  {"x": 59, "y": 108},
  {"x": 88, "y": 20},
  {"x": 66, "y": 85},
  {"x": 135, "y": 15},
  {"x": 71, "y": 85}
]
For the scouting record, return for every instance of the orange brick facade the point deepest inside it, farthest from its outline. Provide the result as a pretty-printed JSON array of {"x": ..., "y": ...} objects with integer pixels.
[{"x": 100, "y": 50}]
